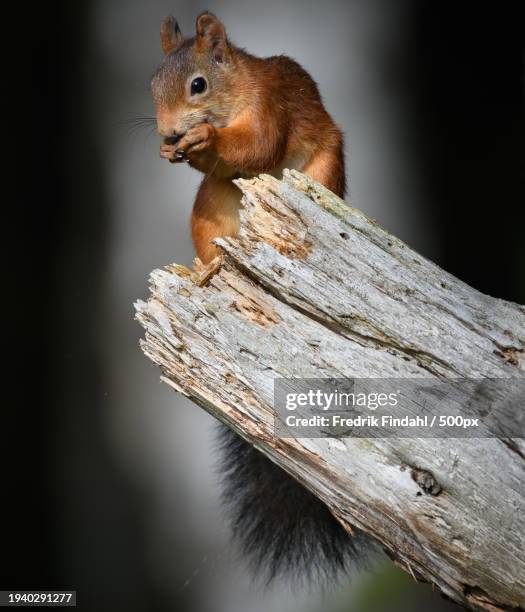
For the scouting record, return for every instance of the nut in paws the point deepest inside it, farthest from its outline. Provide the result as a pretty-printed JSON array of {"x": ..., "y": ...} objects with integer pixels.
[{"x": 197, "y": 138}]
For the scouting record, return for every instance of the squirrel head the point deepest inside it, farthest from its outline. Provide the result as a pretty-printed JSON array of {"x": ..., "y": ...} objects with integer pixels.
[{"x": 195, "y": 81}]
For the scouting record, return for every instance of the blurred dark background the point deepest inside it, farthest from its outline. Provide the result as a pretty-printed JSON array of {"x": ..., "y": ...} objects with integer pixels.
[{"x": 109, "y": 475}]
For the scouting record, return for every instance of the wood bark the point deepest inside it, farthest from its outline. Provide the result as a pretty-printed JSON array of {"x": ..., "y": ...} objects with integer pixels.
[{"x": 311, "y": 287}]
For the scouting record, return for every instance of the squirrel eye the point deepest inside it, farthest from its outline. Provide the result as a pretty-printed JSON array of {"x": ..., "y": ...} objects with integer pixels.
[{"x": 198, "y": 85}]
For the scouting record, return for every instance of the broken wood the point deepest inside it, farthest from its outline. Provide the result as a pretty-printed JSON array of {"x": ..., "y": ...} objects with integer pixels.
[{"x": 312, "y": 288}]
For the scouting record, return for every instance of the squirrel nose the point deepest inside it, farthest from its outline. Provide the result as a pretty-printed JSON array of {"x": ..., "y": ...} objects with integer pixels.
[{"x": 166, "y": 128}]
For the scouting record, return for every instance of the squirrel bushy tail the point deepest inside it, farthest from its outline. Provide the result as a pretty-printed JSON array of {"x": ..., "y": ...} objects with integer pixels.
[{"x": 281, "y": 528}]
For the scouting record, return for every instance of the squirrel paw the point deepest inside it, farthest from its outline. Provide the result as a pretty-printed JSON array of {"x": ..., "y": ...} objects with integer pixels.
[
  {"x": 172, "y": 152},
  {"x": 197, "y": 138}
]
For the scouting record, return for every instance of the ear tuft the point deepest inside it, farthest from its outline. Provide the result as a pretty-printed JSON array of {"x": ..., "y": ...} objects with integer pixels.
[
  {"x": 211, "y": 36},
  {"x": 170, "y": 35}
]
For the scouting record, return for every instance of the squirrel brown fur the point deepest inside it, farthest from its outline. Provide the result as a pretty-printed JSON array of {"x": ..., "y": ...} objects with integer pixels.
[
  {"x": 254, "y": 115},
  {"x": 230, "y": 114}
]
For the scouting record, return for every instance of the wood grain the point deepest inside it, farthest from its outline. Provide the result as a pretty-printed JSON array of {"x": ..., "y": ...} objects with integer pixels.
[{"x": 311, "y": 287}]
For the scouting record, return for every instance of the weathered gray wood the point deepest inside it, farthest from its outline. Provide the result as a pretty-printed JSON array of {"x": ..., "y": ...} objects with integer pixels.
[{"x": 313, "y": 288}]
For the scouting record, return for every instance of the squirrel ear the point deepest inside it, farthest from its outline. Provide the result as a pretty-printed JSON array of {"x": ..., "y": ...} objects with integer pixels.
[
  {"x": 170, "y": 35},
  {"x": 211, "y": 35}
]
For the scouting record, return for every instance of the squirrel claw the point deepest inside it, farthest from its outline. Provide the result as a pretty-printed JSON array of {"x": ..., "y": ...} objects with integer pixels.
[
  {"x": 174, "y": 157},
  {"x": 168, "y": 151},
  {"x": 180, "y": 156}
]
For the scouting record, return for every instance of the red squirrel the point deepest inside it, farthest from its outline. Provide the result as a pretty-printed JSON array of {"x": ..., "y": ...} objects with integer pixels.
[{"x": 230, "y": 114}]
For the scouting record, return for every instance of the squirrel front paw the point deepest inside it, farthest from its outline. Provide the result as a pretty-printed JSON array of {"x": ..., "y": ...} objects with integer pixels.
[
  {"x": 171, "y": 150},
  {"x": 196, "y": 139}
]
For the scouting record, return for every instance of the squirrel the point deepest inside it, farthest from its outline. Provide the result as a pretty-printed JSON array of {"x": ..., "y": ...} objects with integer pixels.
[{"x": 230, "y": 114}]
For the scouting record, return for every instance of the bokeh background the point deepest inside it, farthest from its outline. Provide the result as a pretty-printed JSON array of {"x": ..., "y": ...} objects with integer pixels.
[{"x": 110, "y": 475}]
